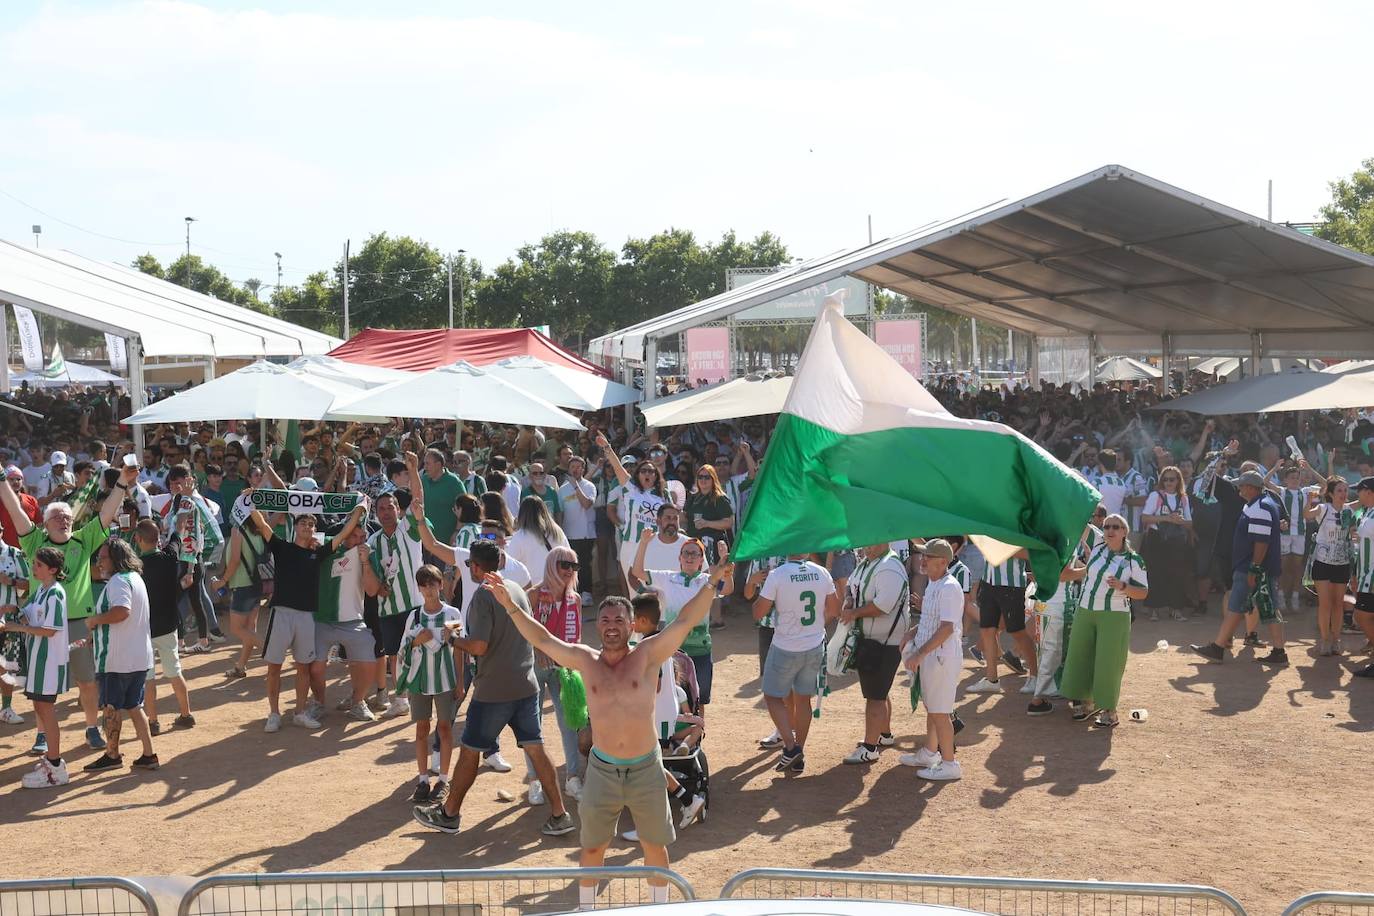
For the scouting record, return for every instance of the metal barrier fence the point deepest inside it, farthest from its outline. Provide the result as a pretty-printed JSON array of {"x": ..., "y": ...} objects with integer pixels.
[
  {"x": 1332, "y": 903},
  {"x": 469, "y": 892},
  {"x": 75, "y": 897},
  {"x": 1001, "y": 896}
]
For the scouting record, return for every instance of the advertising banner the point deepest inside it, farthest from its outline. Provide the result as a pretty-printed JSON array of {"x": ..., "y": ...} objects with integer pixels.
[
  {"x": 902, "y": 341},
  {"x": 708, "y": 354}
]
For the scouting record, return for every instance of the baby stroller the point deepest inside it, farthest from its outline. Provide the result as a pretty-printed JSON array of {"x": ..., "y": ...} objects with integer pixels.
[{"x": 688, "y": 764}]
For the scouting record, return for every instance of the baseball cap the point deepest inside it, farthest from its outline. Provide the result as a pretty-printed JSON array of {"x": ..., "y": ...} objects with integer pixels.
[
  {"x": 1366, "y": 483},
  {"x": 938, "y": 548},
  {"x": 57, "y": 458},
  {"x": 306, "y": 483},
  {"x": 13, "y": 471},
  {"x": 1254, "y": 479},
  {"x": 628, "y": 459}
]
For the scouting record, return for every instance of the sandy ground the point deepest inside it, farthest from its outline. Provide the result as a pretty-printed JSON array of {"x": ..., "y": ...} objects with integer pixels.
[{"x": 1251, "y": 780}]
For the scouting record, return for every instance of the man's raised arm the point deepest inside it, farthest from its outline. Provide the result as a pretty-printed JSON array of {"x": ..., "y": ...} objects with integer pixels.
[
  {"x": 662, "y": 646},
  {"x": 577, "y": 657}
]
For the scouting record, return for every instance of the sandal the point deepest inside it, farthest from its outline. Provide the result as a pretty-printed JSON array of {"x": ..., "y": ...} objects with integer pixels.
[
  {"x": 1178, "y": 615},
  {"x": 1083, "y": 712},
  {"x": 1106, "y": 720}
]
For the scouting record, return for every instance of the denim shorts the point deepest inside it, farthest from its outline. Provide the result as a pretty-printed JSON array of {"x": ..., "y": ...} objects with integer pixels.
[
  {"x": 246, "y": 599},
  {"x": 122, "y": 691},
  {"x": 486, "y": 720},
  {"x": 787, "y": 672}
]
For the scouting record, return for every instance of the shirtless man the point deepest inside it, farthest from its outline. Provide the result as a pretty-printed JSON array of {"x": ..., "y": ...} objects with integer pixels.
[{"x": 625, "y": 768}]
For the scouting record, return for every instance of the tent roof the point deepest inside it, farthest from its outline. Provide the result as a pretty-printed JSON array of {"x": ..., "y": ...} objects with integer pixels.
[
  {"x": 742, "y": 397},
  {"x": 1112, "y": 253},
  {"x": 1125, "y": 369},
  {"x": 420, "y": 351},
  {"x": 168, "y": 319},
  {"x": 1282, "y": 392}
]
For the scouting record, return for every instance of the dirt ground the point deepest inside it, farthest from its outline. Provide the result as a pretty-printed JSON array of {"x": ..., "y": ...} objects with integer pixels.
[{"x": 1244, "y": 778}]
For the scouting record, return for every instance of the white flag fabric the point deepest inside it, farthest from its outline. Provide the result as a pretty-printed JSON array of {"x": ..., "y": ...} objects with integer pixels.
[
  {"x": 114, "y": 349},
  {"x": 27, "y": 328}
]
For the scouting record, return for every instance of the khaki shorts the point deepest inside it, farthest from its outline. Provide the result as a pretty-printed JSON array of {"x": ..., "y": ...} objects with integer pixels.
[
  {"x": 81, "y": 661},
  {"x": 609, "y": 789},
  {"x": 165, "y": 650}
]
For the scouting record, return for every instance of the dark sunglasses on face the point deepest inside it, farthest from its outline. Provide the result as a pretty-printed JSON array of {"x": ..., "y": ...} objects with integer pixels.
[
  {"x": 703, "y": 477},
  {"x": 1113, "y": 527},
  {"x": 566, "y": 565},
  {"x": 489, "y": 536}
]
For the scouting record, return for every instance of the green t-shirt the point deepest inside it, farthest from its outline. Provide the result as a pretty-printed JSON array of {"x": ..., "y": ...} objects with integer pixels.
[
  {"x": 440, "y": 495},
  {"x": 231, "y": 488},
  {"x": 550, "y": 497},
  {"x": 77, "y": 553}
]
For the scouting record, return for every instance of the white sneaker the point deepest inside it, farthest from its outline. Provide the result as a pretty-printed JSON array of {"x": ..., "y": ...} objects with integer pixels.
[
  {"x": 360, "y": 712},
  {"x": 46, "y": 776},
  {"x": 400, "y": 706},
  {"x": 944, "y": 771},
  {"x": 691, "y": 810},
  {"x": 273, "y": 723},
  {"x": 861, "y": 754},
  {"x": 631, "y": 835},
  {"x": 536, "y": 793},
  {"x": 496, "y": 762},
  {"x": 305, "y": 720},
  {"x": 1028, "y": 687},
  {"x": 434, "y": 763},
  {"x": 983, "y": 685},
  {"x": 573, "y": 789},
  {"x": 924, "y": 757},
  {"x": 772, "y": 742},
  {"x": 218, "y": 638},
  {"x": 314, "y": 709},
  {"x": 9, "y": 717},
  {"x": 887, "y": 740},
  {"x": 378, "y": 703}
]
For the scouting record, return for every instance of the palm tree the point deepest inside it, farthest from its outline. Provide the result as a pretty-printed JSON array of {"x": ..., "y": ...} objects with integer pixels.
[{"x": 253, "y": 284}]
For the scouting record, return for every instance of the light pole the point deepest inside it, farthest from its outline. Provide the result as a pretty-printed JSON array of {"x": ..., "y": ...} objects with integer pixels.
[
  {"x": 461, "y": 309},
  {"x": 37, "y": 231},
  {"x": 189, "y": 221},
  {"x": 278, "y": 254}
]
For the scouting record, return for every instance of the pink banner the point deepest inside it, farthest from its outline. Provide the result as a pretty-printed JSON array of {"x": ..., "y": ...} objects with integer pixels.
[
  {"x": 902, "y": 341},
  {"x": 708, "y": 354}
]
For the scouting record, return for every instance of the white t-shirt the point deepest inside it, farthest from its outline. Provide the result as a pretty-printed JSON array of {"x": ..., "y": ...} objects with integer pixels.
[
  {"x": 881, "y": 582},
  {"x": 514, "y": 571},
  {"x": 1158, "y": 503},
  {"x": 902, "y": 549},
  {"x": 798, "y": 591},
  {"x": 943, "y": 603},
  {"x": 578, "y": 523},
  {"x": 512, "y": 494},
  {"x": 659, "y": 555},
  {"x": 34, "y": 474},
  {"x": 528, "y": 548},
  {"x": 125, "y": 647}
]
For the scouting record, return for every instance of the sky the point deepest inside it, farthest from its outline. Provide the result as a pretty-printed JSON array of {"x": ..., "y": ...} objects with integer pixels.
[{"x": 291, "y": 126}]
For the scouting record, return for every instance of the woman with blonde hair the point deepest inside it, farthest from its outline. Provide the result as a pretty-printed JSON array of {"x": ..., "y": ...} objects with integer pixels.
[
  {"x": 1167, "y": 548},
  {"x": 557, "y": 604}
]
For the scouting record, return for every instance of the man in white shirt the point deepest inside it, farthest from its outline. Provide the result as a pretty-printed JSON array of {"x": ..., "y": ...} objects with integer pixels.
[
  {"x": 932, "y": 651},
  {"x": 804, "y": 597},
  {"x": 663, "y": 550},
  {"x": 578, "y": 495},
  {"x": 879, "y": 596},
  {"x": 122, "y": 645}
]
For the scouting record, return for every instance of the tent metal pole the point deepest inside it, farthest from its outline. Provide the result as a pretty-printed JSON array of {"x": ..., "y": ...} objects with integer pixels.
[
  {"x": 1092, "y": 361},
  {"x": 651, "y": 370},
  {"x": 1256, "y": 352},
  {"x": 133, "y": 347},
  {"x": 1166, "y": 348},
  {"x": 1033, "y": 361},
  {"x": 5, "y": 339}
]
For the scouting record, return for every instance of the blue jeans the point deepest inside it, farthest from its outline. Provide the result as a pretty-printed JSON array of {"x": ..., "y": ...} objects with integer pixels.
[
  {"x": 487, "y": 720},
  {"x": 196, "y": 608},
  {"x": 549, "y": 684}
]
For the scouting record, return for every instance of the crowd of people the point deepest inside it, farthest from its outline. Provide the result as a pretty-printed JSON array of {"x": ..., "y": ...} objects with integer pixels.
[{"x": 456, "y": 578}]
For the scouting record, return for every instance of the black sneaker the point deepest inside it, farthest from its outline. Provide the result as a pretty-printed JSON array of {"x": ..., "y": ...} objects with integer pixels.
[
  {"x": 798, "y": 764},
  {"x": 1253, "y": 641},
  {"x": 1210, "y": 651},
  {"x": 1040, "y": 708},
  {"x": 421, "y": 793},
  {"x": 1366, "y": 671},
  {"x": 185, "y": 720},
  {"x": 788, "y": 756},
  {"x": 439, "y": 792},
  {"x": 104, "y": 762},
  {"x": 435, "y": 818},
  {"x": 146, "y": 762},
  {"x": 977, "y": 654},
  {"x": 957, "y": 722},
  {"x": 1276, "y": 656},
  {"x": 558, "y": 825},
  {"x": 1013, "y": 662},
  {"x": 155, "y": 726}
]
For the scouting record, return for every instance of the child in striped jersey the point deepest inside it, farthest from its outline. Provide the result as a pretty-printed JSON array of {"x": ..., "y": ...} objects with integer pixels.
[
  {"x": 14, "y": 582},
  {"x": 427, "y": 667},
  {"x": 45, "y": 623}
]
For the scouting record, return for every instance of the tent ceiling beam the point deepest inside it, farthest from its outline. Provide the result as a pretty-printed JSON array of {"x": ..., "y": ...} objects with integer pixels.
[{"x": 1025, "y": 313}]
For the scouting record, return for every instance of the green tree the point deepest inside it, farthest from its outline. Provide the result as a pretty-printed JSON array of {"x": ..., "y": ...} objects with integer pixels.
[
  {"x": 396, "y": 282},
  {"x": 148, "y": 264},
  {"x": 317, "y": 303},
  {"x": 254, "y": 286},
  {"x": 1349, "y": 219},
  {"x": 194, "y": 274},
  {"x": 564, "y": 282}
]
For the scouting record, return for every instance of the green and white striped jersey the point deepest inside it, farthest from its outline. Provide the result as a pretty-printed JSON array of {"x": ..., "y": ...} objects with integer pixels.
[
  {"x": 466, "y": 534},
  {"x": 47, "y": 672},
  {"x": 1073, "y": 591},
  {"x": 1364, "y": 553},
  {"x": 1012, "y": 573},
  {"x": 1294, "y": 503},
  {"x": 638, "y": 510},
  {"x": 396, "y": 557},
  {"x": 1104, "y": 564},
  {"x": 428, "y": 669},
  {"x": 766, "y": 565},
  {"x": 961, "y": 574},
  {"x": 15, "y": 564}
]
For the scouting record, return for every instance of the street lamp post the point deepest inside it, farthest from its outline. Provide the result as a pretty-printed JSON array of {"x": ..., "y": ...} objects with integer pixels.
[
  {"x": 189, "y": 221},
  {"x": 278, "y": 254},
  {"x": 37, "y": 231}
]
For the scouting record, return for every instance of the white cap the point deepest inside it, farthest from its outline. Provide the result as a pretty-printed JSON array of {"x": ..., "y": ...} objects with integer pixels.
[
  {"x": 306, "y": 483},
  {"x": 57, "y": 458}
]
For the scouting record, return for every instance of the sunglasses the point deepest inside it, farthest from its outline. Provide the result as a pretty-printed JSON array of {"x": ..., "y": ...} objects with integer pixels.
[
  {"x": 1113, "y": 527},
  {"x": 703, "y": 477},
  {"x": 566, "y": 565},
  {"x": 489, "y": 536}
]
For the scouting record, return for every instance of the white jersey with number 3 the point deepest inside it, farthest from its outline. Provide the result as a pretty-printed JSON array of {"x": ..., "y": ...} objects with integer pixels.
[{"x": 798, "y": 590}]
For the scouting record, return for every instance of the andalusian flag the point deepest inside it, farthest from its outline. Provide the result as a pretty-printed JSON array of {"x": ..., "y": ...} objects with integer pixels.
[
  {"x": 57, "y": 366},
  {"x": 863, "y": 454}
]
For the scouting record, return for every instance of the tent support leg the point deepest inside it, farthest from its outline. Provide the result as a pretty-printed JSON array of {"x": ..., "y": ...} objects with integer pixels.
[
  {"x": 1256, "y": 352},
  {"x": 1032, "y": 361},
  {"x": 650, "y": 370},
  {"x": 1092, "y": 361},
  {"x": 1166, "y": 348},
  {"x": 133, "y": 349}
]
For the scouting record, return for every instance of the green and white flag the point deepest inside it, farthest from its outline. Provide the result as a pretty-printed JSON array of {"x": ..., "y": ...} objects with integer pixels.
[
  {"x": 863, "y": 455},
  {"x": 305, "y": 502},
  {"x": 57, "y": 366}
]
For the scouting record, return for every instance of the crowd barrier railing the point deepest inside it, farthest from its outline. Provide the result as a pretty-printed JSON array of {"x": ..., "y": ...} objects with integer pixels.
[
  {"x": 93, "y": 896},
  {"x": 465, "y": 892},
  {"x": 1332, "y": 903},
  {"x": 1000, "y": 896}
]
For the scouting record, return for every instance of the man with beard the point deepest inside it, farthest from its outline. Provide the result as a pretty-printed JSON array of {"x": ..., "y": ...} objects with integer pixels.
[{"x": 664, "y": 548}]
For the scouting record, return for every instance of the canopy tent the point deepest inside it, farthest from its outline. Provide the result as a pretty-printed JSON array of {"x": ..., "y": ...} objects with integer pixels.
[
  {"x": 457, "y": 392},
  {"x": 561, "y": 385},
  {"x": 1282, "y": 392},
  {"x": 1351, "y": 365},
  {"x": 355, "y": 375},
  {"x": 419, "y": 351},
  {"x": 1232, "y": 367},
  {"x": 742, "y": 397},
  {"x": 1130, "y": 263},
  {"x": 1126, "y": 369},
  {"x": 261, "y": 391},
  {"x": 72, "y": 374}
]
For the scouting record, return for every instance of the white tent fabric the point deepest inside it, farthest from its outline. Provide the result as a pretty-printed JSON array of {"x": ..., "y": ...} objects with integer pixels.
[
  {"x": 1281, "y": 392},
  {"x": 261, "y": 391},
  {"x": 562, "y": 385},
  {"x": 356, "y": 375},
  {"x": 457, "y": 392},
  {"x": 76, "y": 374},
  {"x": 1350, "y": 365},
  {"x": 741, "y": 397},
  {"x": 167, "y": 319},
  {"x": 1231, "y": 367},
  {"x": 1126, "y": 369}
]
